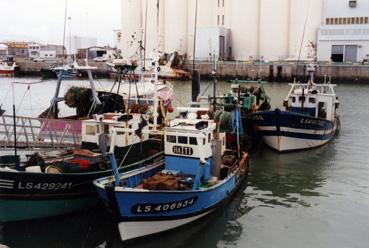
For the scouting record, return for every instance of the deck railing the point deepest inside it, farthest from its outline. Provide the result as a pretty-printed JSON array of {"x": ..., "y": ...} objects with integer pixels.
[{"x": 39, "y": 133}]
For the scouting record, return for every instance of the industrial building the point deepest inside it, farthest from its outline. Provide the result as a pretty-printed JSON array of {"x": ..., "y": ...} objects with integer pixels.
[
  {"x": 76, "y": 42},
  {"x": 344, "y": 36},
  {"x": 227, "y": 29}
]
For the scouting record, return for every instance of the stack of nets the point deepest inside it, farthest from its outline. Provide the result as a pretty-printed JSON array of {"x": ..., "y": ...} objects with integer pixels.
[{"x": 79, "y": 98}]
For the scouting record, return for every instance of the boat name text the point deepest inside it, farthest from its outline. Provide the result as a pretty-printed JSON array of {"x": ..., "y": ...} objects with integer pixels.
[
  {"x": 152, "y": 208},
  {"x": 182, "y": 150},
  {"x": 312, "y": 122},
  {"x": 44, "y": 186}
]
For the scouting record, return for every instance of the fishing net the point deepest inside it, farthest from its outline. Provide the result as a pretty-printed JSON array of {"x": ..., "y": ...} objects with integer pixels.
[{"x": 79, "y": 98}]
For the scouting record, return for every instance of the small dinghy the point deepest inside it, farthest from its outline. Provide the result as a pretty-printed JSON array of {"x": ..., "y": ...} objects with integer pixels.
[{"x": 310, "y": 118}]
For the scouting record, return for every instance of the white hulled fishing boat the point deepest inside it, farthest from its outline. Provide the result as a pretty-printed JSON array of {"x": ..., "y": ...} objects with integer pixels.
[{"x": 310, "y": 118}]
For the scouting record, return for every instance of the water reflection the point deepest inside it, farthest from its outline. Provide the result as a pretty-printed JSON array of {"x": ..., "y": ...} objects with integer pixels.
[{"x": 288, "y": 179}]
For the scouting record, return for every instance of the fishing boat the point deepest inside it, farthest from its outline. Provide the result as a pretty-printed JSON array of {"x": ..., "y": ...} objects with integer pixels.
[
  {"x": 201, "y": 172},
  {"x": 250, "y": 99},
  {"x": 50, "y": 184},
  {"x": 46, "y": 185},
  {"x": 7, "y": 67},
  {"x": 310, "y": 118},
  {"x": 94, "y": 100}
]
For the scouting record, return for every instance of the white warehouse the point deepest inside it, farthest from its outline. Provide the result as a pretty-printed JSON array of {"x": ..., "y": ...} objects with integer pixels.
[
  {"x": 344, "y": 36},
  {"x": 246, "y": 29}
]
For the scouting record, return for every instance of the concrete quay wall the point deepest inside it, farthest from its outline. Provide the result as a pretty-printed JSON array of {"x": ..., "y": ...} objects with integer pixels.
[
  {"x": 284, "y": 72},
  {"x": 273, "y": 72},
  {"x": 27, "y": 67}
]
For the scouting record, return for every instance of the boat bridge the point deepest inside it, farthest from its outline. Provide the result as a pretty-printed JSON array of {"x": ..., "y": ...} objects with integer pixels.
[{"x": 39, "y": 132}]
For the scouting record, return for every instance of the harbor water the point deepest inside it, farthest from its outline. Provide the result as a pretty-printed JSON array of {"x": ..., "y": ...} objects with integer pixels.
[{"x": 315, "y": 198}]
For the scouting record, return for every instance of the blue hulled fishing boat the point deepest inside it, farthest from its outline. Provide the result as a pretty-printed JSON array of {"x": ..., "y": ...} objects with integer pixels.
[
  {"x": 200, "y": 173},
  {"x": 310, "y": 118}
]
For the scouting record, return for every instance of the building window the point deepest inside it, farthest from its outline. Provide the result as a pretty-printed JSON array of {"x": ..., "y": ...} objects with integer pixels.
[
  {"x": 344, "y": 20},
  {"x": 361, "y": 20},
  {"x": 327, "y": 21},
  {"x": 223, "y": 20},
  {"x": 218, "y": 20},
  {"x": 340, "y": 21},
  {"x": 357, "y": 20},
  {"x": 366, "y": 20},
  {"x": 337, "y": 53},
  {"x": 218, "y": 3},
  {"x": 349, "y": 20},
  {"x": 352, "y": 3},
  {"x": 335, "y": 20},
  {"x": 223, "y": 3}
]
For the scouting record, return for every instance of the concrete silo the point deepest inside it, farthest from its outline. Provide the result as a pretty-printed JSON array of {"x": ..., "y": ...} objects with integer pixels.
[
  {"x": 242, "y": 18},
  {"x": 274, "y": 29},
  {"x": 175, "y": 25},
  {"x": 311, "y": 11},
  {"x": 131, "y": 26}
]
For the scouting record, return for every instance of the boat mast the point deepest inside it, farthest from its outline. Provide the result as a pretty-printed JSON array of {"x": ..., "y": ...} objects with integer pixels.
[
  {"x": 195, "y": 75},
  {"x": 14, "y": 123},
  {"x": 65, "y": 22},
  {"x": 156, "y": 68},
  {"x": 302, "y": 39}
]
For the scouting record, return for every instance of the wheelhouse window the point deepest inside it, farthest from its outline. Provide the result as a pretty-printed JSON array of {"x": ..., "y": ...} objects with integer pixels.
[
  {"x": 301, "y": 99},
  {"x": 312, "y": 100},
  {"x": 182, "y": 140},
  {"x": 106, "y": 129},
  {"x": 172, "y": 139},
  {"x": 209, "y": 137},
  {"x": 193, "y": 141},
  {"x": 90, "y": 130},
  {"x": 293, "y": 99}
]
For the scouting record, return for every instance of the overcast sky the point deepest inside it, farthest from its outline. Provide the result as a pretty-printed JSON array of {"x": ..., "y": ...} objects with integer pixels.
[{"x": 43, "y": 20}]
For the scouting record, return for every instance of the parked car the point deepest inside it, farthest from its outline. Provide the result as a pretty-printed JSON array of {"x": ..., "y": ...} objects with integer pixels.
[
  {"x": 39, "y": 59},
  {"x": 100, "y": 59}
]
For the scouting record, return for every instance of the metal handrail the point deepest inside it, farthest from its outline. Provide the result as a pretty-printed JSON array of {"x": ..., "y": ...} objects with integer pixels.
[{"x": 39, "y": 132}]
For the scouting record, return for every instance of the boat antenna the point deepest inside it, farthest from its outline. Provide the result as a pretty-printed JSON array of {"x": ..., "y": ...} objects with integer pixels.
[
  {"x": 194, "y": 39},
  {"x": 302, "y": 39},
  {"x": 144, "y": 48},
  {"x": 70, "y": 35},
  {"x": 65, "y": 22}
]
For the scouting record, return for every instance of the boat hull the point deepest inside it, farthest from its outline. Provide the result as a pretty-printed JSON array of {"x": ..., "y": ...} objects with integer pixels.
[
  {"x": 134, "y": 229},
  {"x": 142, "y": 213},
  {"x": 19, "y": 210},
  {"x": 287, "y": 131},
  {"x": 7, "y": 73},
  {"x": 54, "y": 193}
]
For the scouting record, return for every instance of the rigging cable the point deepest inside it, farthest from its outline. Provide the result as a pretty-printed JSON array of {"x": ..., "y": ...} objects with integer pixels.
[{"x": 303, "y": 37}]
